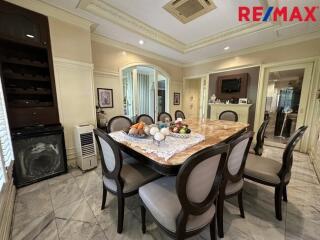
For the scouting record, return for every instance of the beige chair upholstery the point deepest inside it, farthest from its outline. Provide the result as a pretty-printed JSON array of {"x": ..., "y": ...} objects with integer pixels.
[
  {"x": 161, "y": 199},
  {"x": 229, "y": 116},
  {"x": 232, "y": 188},
  {"x": 133, "y": 174},
  {"x": 264, "y": 169},
  {"x": 119, "y": 123},
  {"x": 146, "y": 119},
  {"x": 163, "y": 116}
]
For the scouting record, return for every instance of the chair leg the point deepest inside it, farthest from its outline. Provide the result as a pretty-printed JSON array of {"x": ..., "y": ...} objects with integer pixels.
[
  {"x": 240, "y": 202},
  {"x": 278, "y": 201},
  {"x": 285, "y": 197},
  {"x": 104, "y": 197},
  {"x": 120, "y": 214},
  {"x": 220, "y": 217},
  {"x": 213, "y": 223},
  {"x": 143, "y": 219}
]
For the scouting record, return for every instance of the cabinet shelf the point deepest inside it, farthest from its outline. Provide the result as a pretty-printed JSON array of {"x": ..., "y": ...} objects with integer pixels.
[
  {"x": 18, "y": 76},
  {"x": 25, "y": 62}
]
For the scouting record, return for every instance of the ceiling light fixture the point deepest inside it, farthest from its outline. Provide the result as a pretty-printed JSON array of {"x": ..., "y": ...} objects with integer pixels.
[
  {"x": 30, "y": 36},
  {"x": 141, "y": 42},
  {"x": 227, "y": 48},
  {"x": 124, "y": 53}
]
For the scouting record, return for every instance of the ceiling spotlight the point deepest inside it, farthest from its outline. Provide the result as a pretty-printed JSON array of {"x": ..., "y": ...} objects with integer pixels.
[
  {"x": 30, "y": 36},
  {"x": 124, "y": 53},
  {"x": 227, "y": 48},
  {"x": 141, "y": 42}
]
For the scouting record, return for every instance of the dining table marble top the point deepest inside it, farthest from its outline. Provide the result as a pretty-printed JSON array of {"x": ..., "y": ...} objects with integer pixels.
[{"x": 214, "y": 131}]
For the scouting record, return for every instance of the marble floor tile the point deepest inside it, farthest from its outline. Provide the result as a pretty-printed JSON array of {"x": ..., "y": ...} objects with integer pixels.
[
  {"x": 30, "y": 229},
  {"x": 68, "y": 207},
  {"x": 49, "y": 233},
  {"x": 77, "y": 210},
  {"x": 75, "y": 171},
  {"x": 89, "y": 182},
  {"x": 77, "y": 230},
  {"x": 65, "y": 192}
]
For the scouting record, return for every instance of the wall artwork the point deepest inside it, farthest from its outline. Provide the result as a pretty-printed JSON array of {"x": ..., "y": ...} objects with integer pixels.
[
  {"x": 105, "y": 97},
  {"x": 176, "y": 98}
]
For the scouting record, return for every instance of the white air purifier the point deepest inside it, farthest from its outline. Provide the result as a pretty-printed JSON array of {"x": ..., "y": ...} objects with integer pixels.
[{"x": 85, "y": 147}]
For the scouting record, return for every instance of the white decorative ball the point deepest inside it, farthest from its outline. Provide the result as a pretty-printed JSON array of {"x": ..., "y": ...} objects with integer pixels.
[
  {"x": 146, "y": 129},
  {"x": 159, "y": 136},
  {"x": 165, "y": 131},
  {"x": 154, "y": 130}
]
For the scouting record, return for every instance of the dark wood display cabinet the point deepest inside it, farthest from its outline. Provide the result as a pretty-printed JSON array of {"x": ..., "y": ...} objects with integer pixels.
[{"x": 26, "y": 69}]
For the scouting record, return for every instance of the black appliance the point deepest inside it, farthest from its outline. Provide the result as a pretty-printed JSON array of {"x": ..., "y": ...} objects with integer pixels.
[
  {"x": 230, "y": 85},
  {"x": 39, "y": 153}
]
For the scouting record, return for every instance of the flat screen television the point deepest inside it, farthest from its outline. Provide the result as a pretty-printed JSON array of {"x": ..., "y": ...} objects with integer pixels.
[{"x": 231, "y": 85}]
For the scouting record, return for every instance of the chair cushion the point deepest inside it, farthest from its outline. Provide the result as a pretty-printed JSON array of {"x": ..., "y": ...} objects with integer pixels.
[
  {"x": 251, "y": 150},
  {"x": 264, "y": 169},
  {"x": 232, "y": 188},
  {"x": 134, "y": 175},
  {"x": 161, "y": 200}
]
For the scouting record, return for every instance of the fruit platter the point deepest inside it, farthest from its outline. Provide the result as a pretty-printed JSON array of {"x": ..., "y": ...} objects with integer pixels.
[
  {"x": 179, "y": 129},
  {"x": 139, "y": 130}
]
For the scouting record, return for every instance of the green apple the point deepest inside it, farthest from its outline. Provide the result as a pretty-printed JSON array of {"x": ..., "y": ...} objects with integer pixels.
[{"x": 182, "y": 131}]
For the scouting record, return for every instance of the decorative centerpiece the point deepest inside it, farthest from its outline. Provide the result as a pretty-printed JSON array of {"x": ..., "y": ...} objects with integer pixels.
[
  {"x": 139, "y": 130},
  {"x": 179, "y": 129},
  {"x": 159, "y": 135}
]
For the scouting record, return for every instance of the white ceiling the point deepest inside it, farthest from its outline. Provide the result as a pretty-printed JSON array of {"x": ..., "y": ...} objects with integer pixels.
[{"x": 128, "y": 21}]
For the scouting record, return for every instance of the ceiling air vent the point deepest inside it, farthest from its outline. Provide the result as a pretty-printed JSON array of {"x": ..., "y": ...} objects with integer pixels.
[{"x": 187, "y": 10}]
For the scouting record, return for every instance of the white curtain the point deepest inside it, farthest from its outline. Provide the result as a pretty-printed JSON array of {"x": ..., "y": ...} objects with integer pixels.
[
  {"x": 128, "y": 92},
  {"x": 144, "y": 93}
]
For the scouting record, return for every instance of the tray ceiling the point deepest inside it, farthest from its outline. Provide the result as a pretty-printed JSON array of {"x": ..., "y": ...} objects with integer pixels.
[{"x": 128, "y": 21}]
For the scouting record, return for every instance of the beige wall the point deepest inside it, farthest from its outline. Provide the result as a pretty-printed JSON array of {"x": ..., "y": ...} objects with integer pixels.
[
  {"x": 108, "y": 61},
  {"x": 73, "y": 68},
  {"x": 69, "y": 41},
  {"x": 301, "y": 50}
]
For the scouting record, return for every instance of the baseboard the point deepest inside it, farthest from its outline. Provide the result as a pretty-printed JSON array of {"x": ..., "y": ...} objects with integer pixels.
[
  {"x": 316, "y": 167},
  {"x": 7, "y": 200}
]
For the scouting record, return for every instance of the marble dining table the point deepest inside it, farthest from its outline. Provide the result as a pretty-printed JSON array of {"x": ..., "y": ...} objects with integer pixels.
[{"x": 214, "y": 132}]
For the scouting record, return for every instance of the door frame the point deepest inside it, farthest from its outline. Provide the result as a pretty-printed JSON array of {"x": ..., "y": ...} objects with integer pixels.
[
  {"x": 308, "y": 103},
  {"x": 157, "y": 69}
]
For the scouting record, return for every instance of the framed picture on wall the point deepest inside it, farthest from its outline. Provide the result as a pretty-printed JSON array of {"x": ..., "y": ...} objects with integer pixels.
[
  {"x": 105, "y": 97},
  {"x": 176, "y": 98}
]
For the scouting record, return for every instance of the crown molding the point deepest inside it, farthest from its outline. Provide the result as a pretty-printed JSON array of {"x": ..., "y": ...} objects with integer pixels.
[
  {"x": 238, "y": 31},
  {"x": 133, "y": 49},
  {"x": 106, "y": 11},
  {"x": 105, "y": 73},
  {"x": 259, "y": 48},
  {"x": 51, "y": 11}
]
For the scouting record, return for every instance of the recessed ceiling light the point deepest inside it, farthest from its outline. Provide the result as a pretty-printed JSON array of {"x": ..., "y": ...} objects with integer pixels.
[
  {"x": 227, "y": 48},
  {"x": 141, "y": 42},
  {"x": 30, "y": 36},
  {"x": 124, "y": 53}
]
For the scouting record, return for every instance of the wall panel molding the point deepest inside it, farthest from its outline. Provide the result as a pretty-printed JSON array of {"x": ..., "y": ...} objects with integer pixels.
[
  {"x": 7, "y": 199},
  {"x": 76, "y": 99}
]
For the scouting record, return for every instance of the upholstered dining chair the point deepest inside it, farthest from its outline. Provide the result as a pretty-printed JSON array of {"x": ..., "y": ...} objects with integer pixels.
[
  {"x": 183, "y": 206},
  {"x": 232, "y": 183},
  {"x": 122, "y": 179},
  {"x": 163, "y": 116},
  {"x": 179, "y": 114},
  {"x": 258, "y": 148},
  {"x": 145, "y": 118},
  {"x": 229, "y": 116},
  {"x": 274, "y": 173},
  {"x": 118, "y": 123}
]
